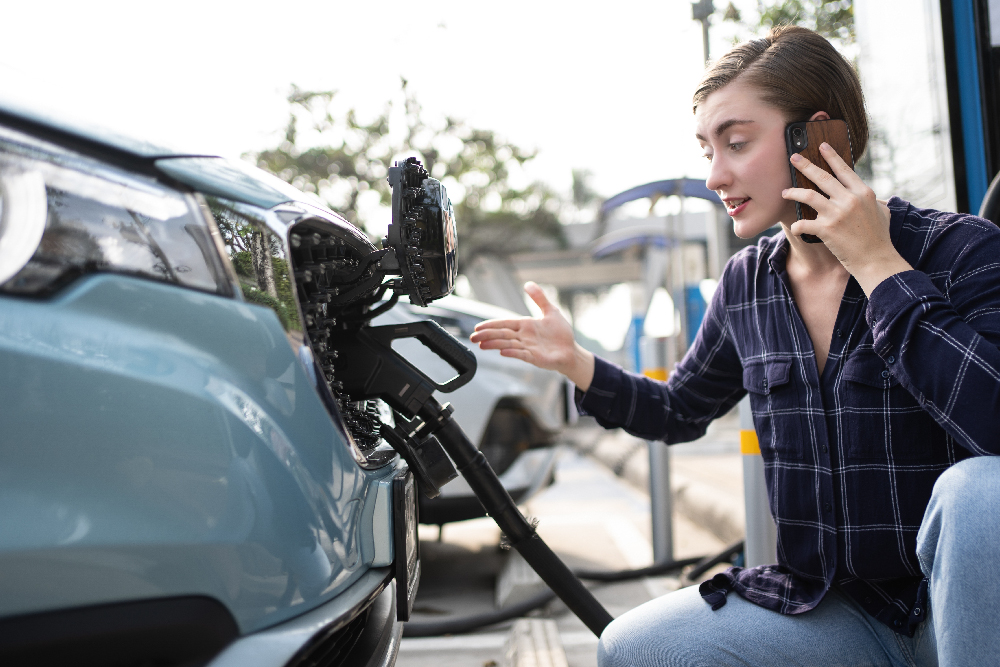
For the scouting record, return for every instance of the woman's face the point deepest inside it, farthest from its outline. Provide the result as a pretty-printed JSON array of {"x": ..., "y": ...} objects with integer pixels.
[{"x": 744, "y": 140}]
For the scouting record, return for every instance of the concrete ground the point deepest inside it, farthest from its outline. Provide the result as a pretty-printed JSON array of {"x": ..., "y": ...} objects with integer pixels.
[{"x": 593, "y": 518}]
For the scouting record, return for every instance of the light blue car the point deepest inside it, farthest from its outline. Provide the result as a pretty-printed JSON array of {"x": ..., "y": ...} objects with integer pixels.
[{"x": 181, "y": 480}]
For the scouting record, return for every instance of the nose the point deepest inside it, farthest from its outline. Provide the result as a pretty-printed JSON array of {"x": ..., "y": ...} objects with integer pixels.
[{"x": 719, "y": 175}]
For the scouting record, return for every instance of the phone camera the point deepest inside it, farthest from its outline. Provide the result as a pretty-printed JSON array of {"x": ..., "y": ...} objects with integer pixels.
[{"x": 797, "y": 137}]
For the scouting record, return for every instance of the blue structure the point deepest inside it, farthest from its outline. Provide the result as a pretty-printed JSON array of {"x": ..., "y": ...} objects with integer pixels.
[
  {"x": 680, "y": 187},
  {"x": 691, "y": 298}
]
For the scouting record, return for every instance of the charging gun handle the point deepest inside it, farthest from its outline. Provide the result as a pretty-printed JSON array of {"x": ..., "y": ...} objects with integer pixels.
[{"x": 499, "y": 505}]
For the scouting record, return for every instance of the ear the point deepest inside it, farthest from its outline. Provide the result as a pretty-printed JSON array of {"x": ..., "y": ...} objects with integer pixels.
[{"x": 820, "y": 115}]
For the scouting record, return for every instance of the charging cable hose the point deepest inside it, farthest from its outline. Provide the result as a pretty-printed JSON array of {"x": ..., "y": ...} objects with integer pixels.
[
  {"x": 502, "y": 508},
  {"x": 521, "y": 535},
  {"x": 455, "y": 626}
]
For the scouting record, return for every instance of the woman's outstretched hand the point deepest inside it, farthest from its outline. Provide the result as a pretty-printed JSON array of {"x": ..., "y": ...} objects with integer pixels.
[
  {"x": 850, "y": 221},
  {"x": 546, "y": 341}
]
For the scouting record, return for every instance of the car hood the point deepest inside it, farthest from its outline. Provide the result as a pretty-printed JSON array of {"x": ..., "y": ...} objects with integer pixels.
[
  {"x": 61, "y": 128},
  {"x": 231, "y": 179}
]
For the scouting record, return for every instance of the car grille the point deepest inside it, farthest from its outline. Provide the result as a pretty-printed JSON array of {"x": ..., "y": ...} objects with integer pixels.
[
  {"x": 328, "y": 271},
  {"x": 330, "y": 650}
]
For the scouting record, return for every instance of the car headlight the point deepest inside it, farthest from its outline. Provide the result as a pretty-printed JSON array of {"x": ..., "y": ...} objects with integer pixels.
[{"x": 58, "y": 222}]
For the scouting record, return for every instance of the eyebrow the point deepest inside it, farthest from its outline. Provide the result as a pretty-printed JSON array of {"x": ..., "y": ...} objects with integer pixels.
[{"x": 725, "y": 125}]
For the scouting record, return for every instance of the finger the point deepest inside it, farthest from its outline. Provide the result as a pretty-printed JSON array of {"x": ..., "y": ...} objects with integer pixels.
[
  {"x": 514, "y": 325},
  {"x": 523, "y": 355},
  {"x": 501, "y": 344},
  {"x": 494, "y": 334},
  {"x": 840, "y": 168},
  {"x": 823, "y": 179},
  {"x": 805, "y": 226},
  {"x": 807, "y": 197},
  {"x": 538, "y": 296}
]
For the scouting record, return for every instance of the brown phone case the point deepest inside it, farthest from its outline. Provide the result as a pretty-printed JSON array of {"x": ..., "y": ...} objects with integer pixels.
[{"x": 805, "y": 138}]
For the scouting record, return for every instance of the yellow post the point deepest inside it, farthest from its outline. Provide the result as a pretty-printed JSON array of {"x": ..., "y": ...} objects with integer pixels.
[{"x": 762, "y": 537}]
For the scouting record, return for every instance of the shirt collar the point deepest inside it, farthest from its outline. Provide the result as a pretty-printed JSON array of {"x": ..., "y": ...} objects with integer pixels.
[{"x": 778, "y": 256}]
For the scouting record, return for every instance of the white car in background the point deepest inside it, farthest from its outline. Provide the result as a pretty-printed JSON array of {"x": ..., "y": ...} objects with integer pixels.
[{"x": 512, "y": 410}]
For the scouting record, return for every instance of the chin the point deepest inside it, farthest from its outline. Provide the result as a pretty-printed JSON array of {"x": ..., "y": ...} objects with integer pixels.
[{"x": 747, "y": 229}]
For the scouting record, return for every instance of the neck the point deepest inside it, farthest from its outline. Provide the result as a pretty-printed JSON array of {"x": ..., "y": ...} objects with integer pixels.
[{"x": 814, "y": 258}]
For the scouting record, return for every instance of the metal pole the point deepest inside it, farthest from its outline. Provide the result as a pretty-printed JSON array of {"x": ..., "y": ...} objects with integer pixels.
[
  {"x": 700, "y": 11},
  {"x": 704, "y": 36},
  {"x": 660, "y": 494},
  {"x": 661, "y": 501},
  {"x": 679, "y": 292},
  {"x": 762, "y": 536}
]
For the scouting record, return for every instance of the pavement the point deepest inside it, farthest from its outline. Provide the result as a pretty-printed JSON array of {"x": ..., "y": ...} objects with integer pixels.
[{"x": 595, "y": 516}]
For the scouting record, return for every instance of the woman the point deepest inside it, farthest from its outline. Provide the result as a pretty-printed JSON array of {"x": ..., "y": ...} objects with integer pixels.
[{"x": 872, "y": 365}]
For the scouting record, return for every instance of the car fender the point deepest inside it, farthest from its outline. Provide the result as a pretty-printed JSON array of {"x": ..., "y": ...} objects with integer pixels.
[{"x": 167, "y": 442}]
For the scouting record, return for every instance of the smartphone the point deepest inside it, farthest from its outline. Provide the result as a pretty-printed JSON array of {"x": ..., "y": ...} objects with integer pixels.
[{"x": 805, "y": 138}]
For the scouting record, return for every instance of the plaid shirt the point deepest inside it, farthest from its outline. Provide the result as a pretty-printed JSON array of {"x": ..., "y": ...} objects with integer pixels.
[{"x": 911, "y": 386}]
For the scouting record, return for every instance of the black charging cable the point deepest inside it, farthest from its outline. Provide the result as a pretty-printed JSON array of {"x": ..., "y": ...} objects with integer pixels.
[{"x": 457, "y": 626}]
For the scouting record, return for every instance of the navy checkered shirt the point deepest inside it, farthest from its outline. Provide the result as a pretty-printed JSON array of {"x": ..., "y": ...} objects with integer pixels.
[{"x": 911, "y": 386}]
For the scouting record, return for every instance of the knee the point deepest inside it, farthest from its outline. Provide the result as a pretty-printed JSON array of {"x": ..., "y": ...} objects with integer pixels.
[
  {"x": 970, "y": 487},
  {"x": 628, "y": 642},
  {"x": 676, "y": 629},
  {"x": 615, "y": 647},
  {"x": 962, "y": 510}
]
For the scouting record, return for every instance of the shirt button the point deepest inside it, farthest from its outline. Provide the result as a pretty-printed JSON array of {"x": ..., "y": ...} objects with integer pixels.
[
  {"x": 896, "y": 623},
  {"x": 916, "y": 611},
  {"x": 839, "y": 333},
  {"x": 885, "y": 374},
  {"x": 826, "y": 506},
  {"x": 825, "y": 449},
  {"x": 764, "y": 383},
  {"x": 891, "y": 359}
]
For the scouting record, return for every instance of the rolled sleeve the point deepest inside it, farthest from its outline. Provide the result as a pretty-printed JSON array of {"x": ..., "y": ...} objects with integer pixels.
[{"x": 889, "y": 303}]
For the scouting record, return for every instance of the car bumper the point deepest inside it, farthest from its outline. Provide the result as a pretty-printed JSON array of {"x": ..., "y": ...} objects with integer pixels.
[{"x": 356, "y": 629}]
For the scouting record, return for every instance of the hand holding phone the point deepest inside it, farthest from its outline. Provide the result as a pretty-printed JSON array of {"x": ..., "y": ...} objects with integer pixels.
[{"x": 805, "y": 138}]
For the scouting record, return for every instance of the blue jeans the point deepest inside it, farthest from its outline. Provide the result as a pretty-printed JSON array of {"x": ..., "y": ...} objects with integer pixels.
[{"x": 956, "y": 546}]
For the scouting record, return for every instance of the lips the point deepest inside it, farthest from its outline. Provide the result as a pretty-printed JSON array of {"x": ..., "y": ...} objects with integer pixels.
[{"x": 735, "y": 206}]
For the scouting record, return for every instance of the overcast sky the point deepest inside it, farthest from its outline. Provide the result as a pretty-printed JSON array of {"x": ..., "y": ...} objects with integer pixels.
[{"x": 605, "y": 88}]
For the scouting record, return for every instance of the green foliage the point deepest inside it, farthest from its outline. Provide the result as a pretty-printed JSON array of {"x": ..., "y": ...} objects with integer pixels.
[
  {"x": 286, "y": 296},
  {"x": 342, "y": 158},
  {"x": 239, "y": 234},
  {"x": 286, "y": 314},
  {"x": 243, "y": 264},
  {"x": 834, "y": 19}
]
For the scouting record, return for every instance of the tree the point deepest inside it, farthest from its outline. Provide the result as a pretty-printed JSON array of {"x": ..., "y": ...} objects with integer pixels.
[
  {"x": 343, "y": 158},
  {"x": 262, "y": 271},
  {"x": 834, "y": 19}
]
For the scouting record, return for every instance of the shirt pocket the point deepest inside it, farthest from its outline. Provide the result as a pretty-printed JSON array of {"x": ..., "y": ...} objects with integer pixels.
[
  {"x": 777, "y": 414},
  {"x": 880, "y": 417}
]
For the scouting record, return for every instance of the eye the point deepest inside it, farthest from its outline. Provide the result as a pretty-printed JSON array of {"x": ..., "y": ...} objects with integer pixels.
[
  {"x": 737, "y": 146},
  {"x": 707, "y": 156}
]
